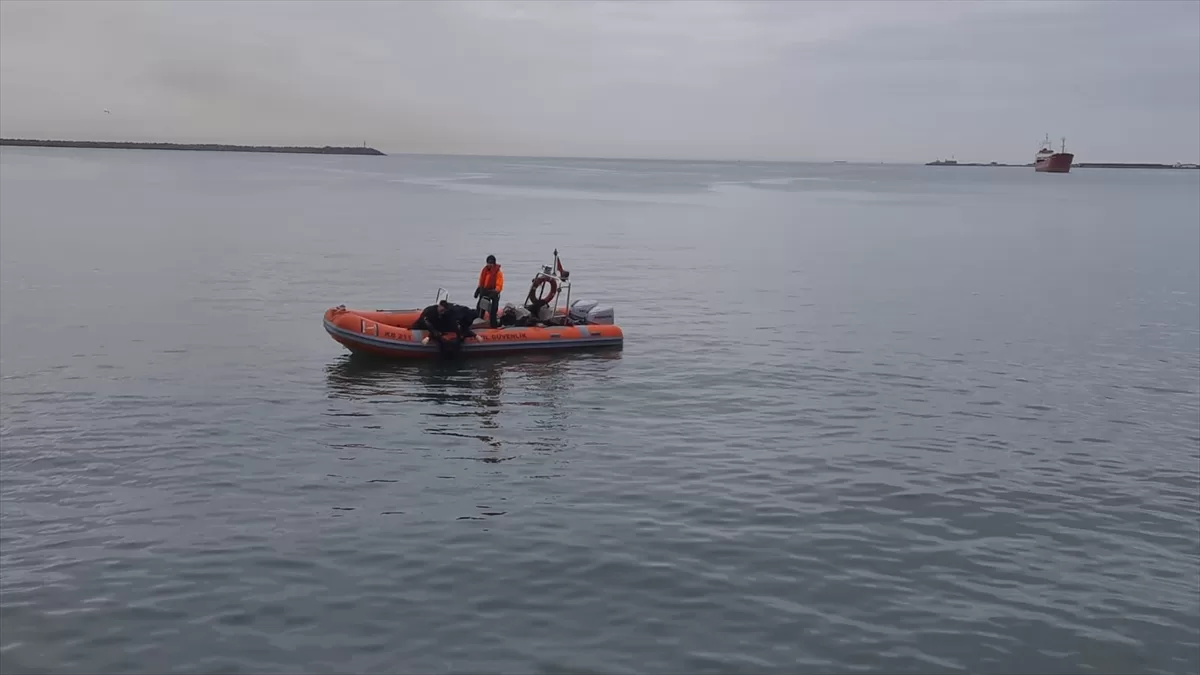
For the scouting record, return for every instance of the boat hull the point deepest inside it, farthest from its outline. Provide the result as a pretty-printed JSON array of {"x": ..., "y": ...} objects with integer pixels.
[
  {"x": 1059, "y": 162},
  {"x": 389, "y": 334}
]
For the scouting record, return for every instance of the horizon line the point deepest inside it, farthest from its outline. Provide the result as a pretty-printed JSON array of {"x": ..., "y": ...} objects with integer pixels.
[{"x": 29, "y": 142}]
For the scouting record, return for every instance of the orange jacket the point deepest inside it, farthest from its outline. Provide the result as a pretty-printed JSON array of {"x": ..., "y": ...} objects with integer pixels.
[{"x": 491, "y": 278}]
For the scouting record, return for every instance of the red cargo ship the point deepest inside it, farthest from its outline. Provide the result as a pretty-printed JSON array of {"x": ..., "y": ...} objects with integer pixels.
[{"x": 1048, "y": 161}]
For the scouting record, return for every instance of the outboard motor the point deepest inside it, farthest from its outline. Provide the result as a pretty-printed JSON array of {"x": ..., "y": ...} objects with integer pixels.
[
  {"x": 602, "y": 315},
  {"x": 590, "y": 311},
  {"x": 579, "y": 310}
]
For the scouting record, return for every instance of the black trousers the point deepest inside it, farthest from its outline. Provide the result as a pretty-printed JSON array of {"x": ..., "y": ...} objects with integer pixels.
[{"x": 464, "y": 329}]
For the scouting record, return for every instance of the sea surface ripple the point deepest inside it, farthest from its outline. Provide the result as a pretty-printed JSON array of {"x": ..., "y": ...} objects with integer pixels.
[{"x": 866, "y": 419}]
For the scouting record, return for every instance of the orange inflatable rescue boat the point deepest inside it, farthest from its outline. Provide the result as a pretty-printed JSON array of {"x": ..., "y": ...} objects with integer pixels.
[{"x": 542, "y": 324}]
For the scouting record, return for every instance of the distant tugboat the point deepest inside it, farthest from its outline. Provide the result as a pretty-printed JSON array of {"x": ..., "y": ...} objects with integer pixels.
[{"x": 1048, "y": 161}]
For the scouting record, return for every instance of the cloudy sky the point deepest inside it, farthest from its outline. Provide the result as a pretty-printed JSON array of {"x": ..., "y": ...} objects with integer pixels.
[{"x": 888, "y": 81}]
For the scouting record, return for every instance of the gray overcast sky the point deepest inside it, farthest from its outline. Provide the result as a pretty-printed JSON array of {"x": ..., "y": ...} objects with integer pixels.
[{"x": 856, "y": 80}]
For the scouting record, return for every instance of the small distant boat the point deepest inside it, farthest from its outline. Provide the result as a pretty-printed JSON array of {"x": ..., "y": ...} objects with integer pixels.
[
  {"x": 942, "y": 162},
  {"x": 1048, "y": 161}
]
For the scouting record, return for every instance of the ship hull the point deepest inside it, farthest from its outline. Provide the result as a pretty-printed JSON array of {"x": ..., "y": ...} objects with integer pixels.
[{"x": 1059, "y": 162}]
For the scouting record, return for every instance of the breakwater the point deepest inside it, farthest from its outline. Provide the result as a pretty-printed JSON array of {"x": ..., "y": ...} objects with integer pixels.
[{"x": 201, "y": 147}]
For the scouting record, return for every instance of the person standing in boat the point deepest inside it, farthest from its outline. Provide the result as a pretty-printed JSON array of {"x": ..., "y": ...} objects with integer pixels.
[{"x": 491, "y": 282}]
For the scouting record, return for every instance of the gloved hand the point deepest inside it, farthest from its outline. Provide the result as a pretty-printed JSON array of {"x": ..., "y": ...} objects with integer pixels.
[{"x": 425, "y": 340}]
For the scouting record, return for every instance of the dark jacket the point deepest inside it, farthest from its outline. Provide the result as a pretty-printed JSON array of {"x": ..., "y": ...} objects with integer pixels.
[
  {"x": 428, "y": 319},
  {"x": 458, "y": 317}
]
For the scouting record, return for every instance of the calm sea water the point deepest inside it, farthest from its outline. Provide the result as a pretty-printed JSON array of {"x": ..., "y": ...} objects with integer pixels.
[{"x": 867, "y": 419}]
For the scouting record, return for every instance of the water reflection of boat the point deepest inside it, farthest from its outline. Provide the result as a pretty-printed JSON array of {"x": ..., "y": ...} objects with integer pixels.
[
  {"x": 476, "y": 390},
  {"x": 465, "y": 399}
]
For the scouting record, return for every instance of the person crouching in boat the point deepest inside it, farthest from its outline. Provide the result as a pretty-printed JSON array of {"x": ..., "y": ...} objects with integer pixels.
[
  {"x": 491, "y": 282},
  {"x": 431, "y": 321},
  {"x": 459, "y": 318},
  {"x": 445, "y": 318}
]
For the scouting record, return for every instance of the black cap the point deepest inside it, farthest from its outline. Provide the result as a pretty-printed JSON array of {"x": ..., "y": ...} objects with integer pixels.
[{"x": 491, "y": 259}]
